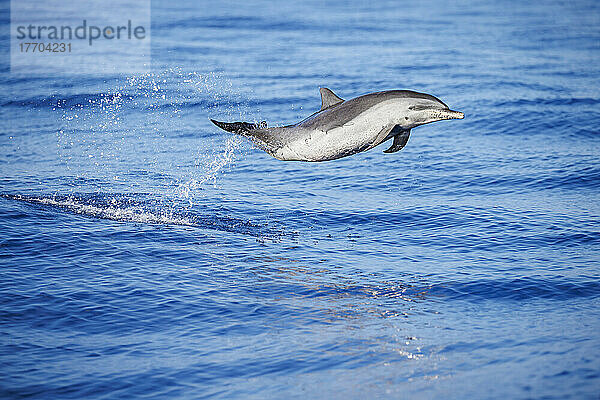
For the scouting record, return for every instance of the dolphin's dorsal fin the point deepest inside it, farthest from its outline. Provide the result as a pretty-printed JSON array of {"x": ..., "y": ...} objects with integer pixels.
[{"x": 328, "y": 98}]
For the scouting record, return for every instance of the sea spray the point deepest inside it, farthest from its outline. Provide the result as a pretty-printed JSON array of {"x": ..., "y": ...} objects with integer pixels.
[{"x": 103, "y": 142}]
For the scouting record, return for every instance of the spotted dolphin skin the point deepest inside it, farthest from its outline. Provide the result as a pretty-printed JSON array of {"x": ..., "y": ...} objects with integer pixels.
[{"x": 342, "y": 128}]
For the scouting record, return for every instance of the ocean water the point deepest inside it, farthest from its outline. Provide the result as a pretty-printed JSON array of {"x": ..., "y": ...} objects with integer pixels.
[{"x": 147, "y": 254}]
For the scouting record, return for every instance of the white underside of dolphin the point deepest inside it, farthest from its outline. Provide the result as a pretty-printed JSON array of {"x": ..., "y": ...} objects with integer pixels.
[{"x": 342, "y": 128}]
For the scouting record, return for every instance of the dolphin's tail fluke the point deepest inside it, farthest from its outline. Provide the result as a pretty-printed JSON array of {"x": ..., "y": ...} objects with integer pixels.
[
  {"x": 239, "y": 127},
  {"x": 258, "y": 134}
]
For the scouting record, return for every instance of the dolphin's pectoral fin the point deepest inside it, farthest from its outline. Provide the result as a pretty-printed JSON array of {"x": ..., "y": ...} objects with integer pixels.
[
  {"x": 328, "y": 98},
  {"x": 400, "y": 141}
]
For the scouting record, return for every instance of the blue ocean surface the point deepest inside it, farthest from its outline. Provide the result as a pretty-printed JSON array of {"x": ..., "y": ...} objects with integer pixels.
[{"x": 147, "y": 254}]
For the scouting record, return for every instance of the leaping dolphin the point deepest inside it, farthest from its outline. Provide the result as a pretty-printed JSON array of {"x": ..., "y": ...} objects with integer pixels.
[{"x": 342, "y": 128}]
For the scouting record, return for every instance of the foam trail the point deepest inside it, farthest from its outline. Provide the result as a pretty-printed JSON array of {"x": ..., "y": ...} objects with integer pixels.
[
  {"x": 112, "y": 212},
  {"x": 124, "y": 209}
]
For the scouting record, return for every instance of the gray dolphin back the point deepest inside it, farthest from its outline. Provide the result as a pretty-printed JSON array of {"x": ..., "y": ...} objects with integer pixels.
[{"x": 342, "y": 112}]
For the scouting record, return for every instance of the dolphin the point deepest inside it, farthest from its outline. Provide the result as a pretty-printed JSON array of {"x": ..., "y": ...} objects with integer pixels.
[{"x": 342, "y": 128}]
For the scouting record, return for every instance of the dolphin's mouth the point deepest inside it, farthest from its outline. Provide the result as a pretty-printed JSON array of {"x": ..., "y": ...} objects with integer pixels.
[{"x": 451, "y": 114}]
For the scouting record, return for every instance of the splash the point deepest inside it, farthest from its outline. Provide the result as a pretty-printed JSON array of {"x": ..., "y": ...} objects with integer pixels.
[
  {"x": 150, "y": 133},
  {"x": 212, "y": 166}
]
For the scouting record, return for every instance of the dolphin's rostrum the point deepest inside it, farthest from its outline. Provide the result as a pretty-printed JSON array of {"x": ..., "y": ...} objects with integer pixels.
[{"x": 342, "y": 128}]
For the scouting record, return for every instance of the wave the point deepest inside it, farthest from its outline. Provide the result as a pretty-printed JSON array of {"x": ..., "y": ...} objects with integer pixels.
[
  {"x": 169, "y": 89},
  {"x": 425, "y": 289},
  {"x": 459, "y": 229},
  {"x": 555, "y": 101},
  {"x": 518, "y": 289},
  {"x": 74, "y": 101},
  {"x": 554, "y": 288},
  {"x": 575, "y": 177}
]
